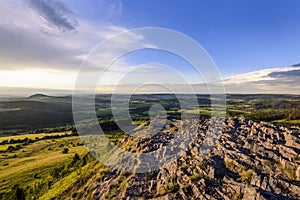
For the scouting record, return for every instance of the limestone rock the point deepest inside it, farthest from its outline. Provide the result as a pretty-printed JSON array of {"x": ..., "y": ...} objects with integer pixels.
[{"x": 250, "y": 161}]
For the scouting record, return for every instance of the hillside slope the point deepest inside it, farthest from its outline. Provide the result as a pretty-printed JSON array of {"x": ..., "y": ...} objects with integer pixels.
[{"x": 250, "y": 161}]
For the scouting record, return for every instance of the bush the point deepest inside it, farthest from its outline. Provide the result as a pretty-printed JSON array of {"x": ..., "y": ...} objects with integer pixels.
[
  {"x": 35, "y": 175},
  {"x": 75, "y": 160},
  {"x": 65, "y": 151},
  {"x": 56, "y": 172},
  {"x": 5, "y": 142},
  {"x": 229, "y": 164},
  {"x": 10, "y": 148},
  {"x": 195, "y": 177},
  {"x": 18, "y": 193},
  {"x": 246, "y": 175}
]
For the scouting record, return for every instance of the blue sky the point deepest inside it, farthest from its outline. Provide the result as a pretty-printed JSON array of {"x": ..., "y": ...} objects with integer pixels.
[
  {"x": 43, "y": 40},
  {"x": 241, "y": 36}
]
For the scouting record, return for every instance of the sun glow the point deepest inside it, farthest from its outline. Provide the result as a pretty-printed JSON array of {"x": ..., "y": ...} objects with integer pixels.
[{"x": 34, "y": 78}]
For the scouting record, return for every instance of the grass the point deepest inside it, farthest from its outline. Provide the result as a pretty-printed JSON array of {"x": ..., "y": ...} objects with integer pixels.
[
  {"x": 111, "y": 193},
  {"x": 29, "y": 136},
  {"x": 290, "y": 172},
  {"x": 238, "y": 196},
  {"x": 246, "y": 175},
  {"x": 229, "y": 164},
  {"x": 286, "y": 122},
  {"x": 62, "y": 185},
  {"x": 170, "y": 186},
  {"x": 205, "y": 111},
  {"x": 45, "y": 171},
  {"x": 195, "y": 177},
  {"x": 184, "y": 166},
  {"x": 5, "y": 146},
  {"x": 87, "y": 180},
  {"x": 35, "y": 160}
]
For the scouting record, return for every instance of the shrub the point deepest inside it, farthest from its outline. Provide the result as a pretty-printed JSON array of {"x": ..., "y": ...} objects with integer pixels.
[
  {"x": 290, "y": 172},
  {"x": 111, "y": 193},
  {"x": 18, "y": 192},
  {"x": 246, "y": 175},
  {"x": 170, "y": 186},
  {"x": 75, "y": 160},
  {"x": 238, "y": 196},
  {"x": 5, "y": 142},
  {"x": 203, "y": 165},
  {"x": 229, "y": 164},
  {"x": 195, "y": 177},
  {"x": 65, "y": 151},
  {"x": 10, "y": 148},
  {"x": 184, "y": 166},
  {"x": 56, "y": 172}
]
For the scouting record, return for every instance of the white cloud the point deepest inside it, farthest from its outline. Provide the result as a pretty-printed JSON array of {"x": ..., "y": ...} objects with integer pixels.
[
  {"x": 43, "y": 44},
  {"x": 273, "y": 80},
  {"x": 261, "y": 75},
  {"x": 42, "y": 41},
  {"x": 46, "y": 34}
]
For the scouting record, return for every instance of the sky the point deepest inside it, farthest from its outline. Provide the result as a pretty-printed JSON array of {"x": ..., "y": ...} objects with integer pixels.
[{"x": 43, "y": 43}]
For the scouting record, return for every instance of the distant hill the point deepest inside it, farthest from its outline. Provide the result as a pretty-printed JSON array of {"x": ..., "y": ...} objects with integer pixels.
[
  {"x": 46, "y": 98},
  {"x": 42, "y": 111},
  {"x": 36, "y": 111},
  {"x": 37, "y": 96}
]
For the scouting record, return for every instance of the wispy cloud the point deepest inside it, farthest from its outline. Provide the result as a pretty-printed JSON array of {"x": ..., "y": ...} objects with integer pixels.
[
  {"x": 115, "y": 7},
  {"x": 56, "y": 15},
  {"x": 45, "y": 34}
]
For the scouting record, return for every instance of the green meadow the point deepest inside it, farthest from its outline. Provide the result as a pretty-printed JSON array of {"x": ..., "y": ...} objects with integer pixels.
[{"x": 43, "y": 169}]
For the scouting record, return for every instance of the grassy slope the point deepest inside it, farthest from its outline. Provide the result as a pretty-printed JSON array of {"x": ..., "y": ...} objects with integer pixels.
[
  {"x": 32, "y": 165},
  {"x": 29, "y": 136},
  {"x": 36, "y": 159},
  {"x": 286, "y": 122}
]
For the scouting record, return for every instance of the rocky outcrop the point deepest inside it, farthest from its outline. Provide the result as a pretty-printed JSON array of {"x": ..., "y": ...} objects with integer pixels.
[{"x": 250, "y": 161}]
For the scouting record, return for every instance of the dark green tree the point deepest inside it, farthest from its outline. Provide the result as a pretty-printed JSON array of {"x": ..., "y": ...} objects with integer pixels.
[{"x": 18, "y": 192}]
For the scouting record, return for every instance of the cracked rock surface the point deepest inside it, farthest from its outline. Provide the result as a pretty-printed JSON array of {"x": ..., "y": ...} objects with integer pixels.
[{"x": 250, "y": 161}]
